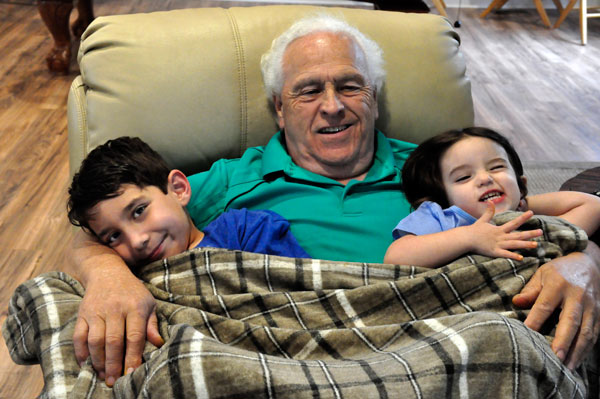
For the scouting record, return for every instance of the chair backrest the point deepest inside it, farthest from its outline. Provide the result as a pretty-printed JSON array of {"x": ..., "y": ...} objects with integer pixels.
[{"x": 189, "y": 83}]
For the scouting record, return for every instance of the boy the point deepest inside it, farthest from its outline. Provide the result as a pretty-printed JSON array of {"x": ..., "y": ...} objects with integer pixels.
[{"x": 126, "y": 195}]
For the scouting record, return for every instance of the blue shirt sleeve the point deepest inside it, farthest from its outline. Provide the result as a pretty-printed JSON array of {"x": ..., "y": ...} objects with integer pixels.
[
  {"x": 430, "y": 218},
  {"x": 263, "y": 232}
]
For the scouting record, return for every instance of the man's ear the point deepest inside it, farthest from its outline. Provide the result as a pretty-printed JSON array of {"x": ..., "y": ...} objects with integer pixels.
[
  {"x": 179, "y": 185},
  {"x": 279, "y": 111}
]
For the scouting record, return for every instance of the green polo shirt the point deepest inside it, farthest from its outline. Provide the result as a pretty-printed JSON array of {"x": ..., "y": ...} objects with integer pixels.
[{"x": 351, "y": 222}]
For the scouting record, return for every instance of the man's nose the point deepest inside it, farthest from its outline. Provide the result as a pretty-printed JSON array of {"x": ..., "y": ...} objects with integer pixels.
[{"x": 331, "y": 102}]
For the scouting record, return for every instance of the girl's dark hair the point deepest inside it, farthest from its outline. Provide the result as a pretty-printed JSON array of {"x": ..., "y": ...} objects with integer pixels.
[
  {"x": 125, "y": 160},
  {"x": 422, "y": 176}
]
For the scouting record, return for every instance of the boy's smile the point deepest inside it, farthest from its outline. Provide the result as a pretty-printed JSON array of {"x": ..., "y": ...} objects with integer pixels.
[
  {"x": 144, "y": 224},
  {"x": 476, "y": 170}
]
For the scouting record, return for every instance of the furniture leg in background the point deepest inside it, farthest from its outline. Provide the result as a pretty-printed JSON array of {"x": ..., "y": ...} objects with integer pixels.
[
  {"x": 497, "y": 4},
  {"x": 584, "y": 14},
  {"x": 440, "y": 6},
  {"x": 55, "y": 14}
]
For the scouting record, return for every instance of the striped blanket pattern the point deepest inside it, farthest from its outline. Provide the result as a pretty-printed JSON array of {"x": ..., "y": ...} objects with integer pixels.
[{"x": 243, "y": 325}]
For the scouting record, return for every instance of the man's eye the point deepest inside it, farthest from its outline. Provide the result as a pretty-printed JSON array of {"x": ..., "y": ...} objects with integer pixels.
[
  {"x": 309, "y": 92},
  {"x": 350, "y": 88},
  {"x": 137, "y": 212}
]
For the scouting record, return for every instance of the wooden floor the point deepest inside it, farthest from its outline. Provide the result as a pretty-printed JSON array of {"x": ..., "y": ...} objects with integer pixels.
[{"x": 538, "y": 86}]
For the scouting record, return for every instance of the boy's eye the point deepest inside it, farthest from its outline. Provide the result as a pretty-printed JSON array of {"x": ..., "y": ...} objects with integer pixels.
[
  {"x": 112, "y": 238},
  {"x": 137, "y": 212}
]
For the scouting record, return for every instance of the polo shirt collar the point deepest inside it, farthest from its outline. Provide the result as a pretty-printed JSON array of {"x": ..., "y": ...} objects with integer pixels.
[{"x": 277, "y": 160}]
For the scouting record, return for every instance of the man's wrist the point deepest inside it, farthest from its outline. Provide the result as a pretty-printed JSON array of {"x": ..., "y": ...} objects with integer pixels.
[{"x": 593, "y": 252}]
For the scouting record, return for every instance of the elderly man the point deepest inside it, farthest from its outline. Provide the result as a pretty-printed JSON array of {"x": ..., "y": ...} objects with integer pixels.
[{"x": 334, "y": 177}]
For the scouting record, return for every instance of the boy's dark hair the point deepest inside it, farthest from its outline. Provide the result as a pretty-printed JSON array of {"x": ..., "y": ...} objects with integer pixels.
[
  {"x": 125, "y": 160},
  {"x": 422, "y": 176}
]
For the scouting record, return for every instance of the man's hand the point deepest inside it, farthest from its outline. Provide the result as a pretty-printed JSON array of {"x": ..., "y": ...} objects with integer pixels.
[
  {"x": 571, "y": 283},
  {"x": 116, "y": 313},
  {"x": 496, "y": 241}
]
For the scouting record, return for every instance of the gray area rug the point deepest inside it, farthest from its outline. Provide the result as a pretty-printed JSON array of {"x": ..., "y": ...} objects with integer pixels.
[{"x": 543, "y": 177}]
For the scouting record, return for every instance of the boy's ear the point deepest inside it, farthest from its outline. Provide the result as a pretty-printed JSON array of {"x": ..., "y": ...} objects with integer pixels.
[{"x": 178, "y": 184}]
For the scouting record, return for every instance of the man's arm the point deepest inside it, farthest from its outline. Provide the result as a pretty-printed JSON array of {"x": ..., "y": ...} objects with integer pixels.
[
  {"x": 115, "y": 302},
  {"x": 437, "y": 249}
]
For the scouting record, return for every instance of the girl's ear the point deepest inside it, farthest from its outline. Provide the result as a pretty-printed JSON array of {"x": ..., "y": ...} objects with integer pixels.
[
  {"x": 523, "y": 205},
  {"x": 523, "y": 181},
  {"x": 179, "y": 185}
]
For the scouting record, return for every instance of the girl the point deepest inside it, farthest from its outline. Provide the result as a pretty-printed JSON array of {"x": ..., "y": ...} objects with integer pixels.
[{"x": 457, "y": 181}]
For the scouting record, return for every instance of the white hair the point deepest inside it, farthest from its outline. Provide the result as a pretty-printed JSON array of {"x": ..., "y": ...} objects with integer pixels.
[{"x": 368, "y": 54}]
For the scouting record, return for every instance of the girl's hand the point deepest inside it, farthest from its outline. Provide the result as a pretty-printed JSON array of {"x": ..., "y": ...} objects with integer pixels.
[{"x": 496, "y": 241}]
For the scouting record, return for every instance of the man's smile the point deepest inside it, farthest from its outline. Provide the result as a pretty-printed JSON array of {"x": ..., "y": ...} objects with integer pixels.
[{"x": 333, "y": 129}]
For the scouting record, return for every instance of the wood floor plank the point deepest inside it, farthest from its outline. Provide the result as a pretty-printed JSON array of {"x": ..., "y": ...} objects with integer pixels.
[{"x": 538, "y": 86}]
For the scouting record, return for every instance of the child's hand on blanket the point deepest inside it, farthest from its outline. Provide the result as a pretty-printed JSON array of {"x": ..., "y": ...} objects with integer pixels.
[{"x": 497, "y": 241}]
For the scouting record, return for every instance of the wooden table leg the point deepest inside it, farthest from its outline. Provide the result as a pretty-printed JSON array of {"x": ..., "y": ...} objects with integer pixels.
[
  {"x": 494, "y": 5},
  {"x": 542, "y": 11},
  {"x": 564, "y": 13},
  {"x": 440, "y": 6}
]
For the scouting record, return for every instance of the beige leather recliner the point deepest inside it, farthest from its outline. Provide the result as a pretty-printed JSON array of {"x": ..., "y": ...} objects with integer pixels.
[{"x": 188, "y": 81}]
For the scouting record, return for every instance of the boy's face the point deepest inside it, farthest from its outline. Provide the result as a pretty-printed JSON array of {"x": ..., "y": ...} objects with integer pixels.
[
  {"x": 144, "y": 224},
  {"x": 476, "y": 170}
]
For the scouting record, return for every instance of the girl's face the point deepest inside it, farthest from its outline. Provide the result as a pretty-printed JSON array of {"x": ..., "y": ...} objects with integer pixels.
[{"x": 476, "y": 170}]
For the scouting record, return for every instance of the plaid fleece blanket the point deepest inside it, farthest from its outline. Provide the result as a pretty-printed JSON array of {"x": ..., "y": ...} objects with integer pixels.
[{"x": 243, "y": 325}]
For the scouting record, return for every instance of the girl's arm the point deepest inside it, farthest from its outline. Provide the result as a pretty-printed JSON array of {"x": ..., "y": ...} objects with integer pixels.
[
  {"x": 581, "y": 209},
  {"x": 429, "y": 250},
  {"x": 437, "y": 249}
]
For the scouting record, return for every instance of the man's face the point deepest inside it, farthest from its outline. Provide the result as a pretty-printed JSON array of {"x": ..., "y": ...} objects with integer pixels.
[
  {"x": 326, "y": 107},
  {"x": 142, "y": 224}
]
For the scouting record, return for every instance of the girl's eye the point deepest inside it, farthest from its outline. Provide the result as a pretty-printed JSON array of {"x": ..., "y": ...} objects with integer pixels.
[
  {"x": 137, "y": 212},
  {"x": 497, "y": 167},
  {"x": 462, "y": 178}
]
